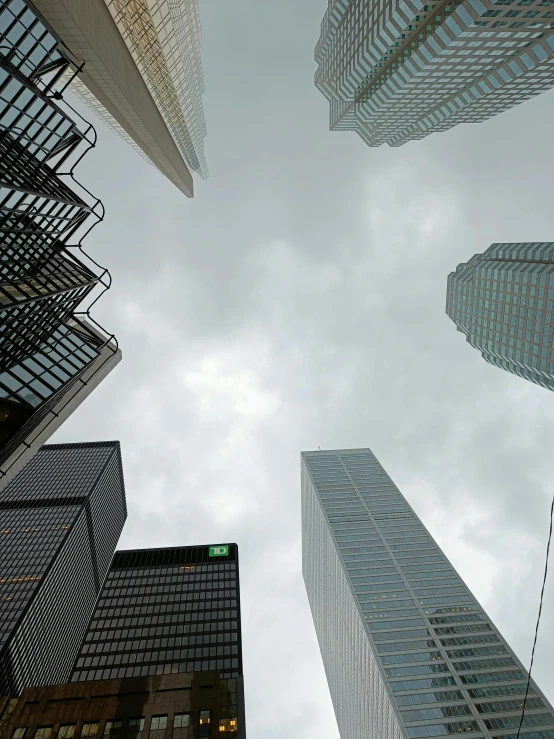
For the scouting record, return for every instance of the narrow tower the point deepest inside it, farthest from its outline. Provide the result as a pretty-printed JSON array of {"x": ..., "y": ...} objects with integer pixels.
[
  {"x": 408, "y": 651},
  {"x": 141, "y": 74}
]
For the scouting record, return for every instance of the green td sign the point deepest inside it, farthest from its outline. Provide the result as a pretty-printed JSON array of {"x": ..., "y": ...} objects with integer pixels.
[{"x": 222, "y": 550}]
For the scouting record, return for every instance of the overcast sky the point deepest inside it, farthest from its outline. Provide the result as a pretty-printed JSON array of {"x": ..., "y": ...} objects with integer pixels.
[{"x": 298, "y": 301}]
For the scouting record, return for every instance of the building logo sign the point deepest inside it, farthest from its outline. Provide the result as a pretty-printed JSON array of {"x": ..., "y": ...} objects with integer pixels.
[{"x": 220, "y": 551}]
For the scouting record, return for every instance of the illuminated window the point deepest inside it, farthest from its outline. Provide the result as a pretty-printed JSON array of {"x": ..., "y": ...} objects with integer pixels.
[
  {"x": 43, "y": 732},
  {"x": 204, "y": 717},
  {"x": 227, "y": 724},
  {"x": 181, "y": 720},
  {"x": 19, "y": 733},
  {"x": 90, "y": 729},
  {"x": 66, "y": 731}
]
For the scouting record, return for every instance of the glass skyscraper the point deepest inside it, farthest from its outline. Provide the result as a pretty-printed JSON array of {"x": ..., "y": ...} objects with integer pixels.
[
  {"x": 502, "y": 300},
  {"x": 170, "y": 611},
  {"x": 398, "y": 70},
  {"x": 142, "y": 75},
  {"x": 60, "y": 520},
  {"x": 408, "y": 651},
  {"x": 52, "y": 354}
]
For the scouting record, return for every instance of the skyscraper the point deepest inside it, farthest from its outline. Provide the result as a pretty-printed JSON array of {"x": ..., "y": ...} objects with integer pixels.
[
  {"x": 503, "y": 301},
  {"x": 52, "y": 353},
  {"x": 60, "y": 520},
  {"x": 169, "y": 611},
  {"x": 398, "y": 71},
  {"x": 142, "y": 75},
  {"x": 408, "y": 651}
]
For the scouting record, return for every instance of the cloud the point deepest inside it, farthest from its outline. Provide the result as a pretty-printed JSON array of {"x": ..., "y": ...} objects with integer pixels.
[{"x": 298, "y": 301}]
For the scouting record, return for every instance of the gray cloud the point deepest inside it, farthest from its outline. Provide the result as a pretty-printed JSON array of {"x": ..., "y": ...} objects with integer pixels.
[{"x": 299, "y": 301}]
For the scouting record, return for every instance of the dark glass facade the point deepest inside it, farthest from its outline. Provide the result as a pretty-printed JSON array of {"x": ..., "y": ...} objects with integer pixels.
[
  {"x": 47, "y": 283},
  {"x": 60, "y": 520},
  {"x": 164, "y": 612},
  {"x": 408, "y": 651},
  {"x": 503, "y": 301}
]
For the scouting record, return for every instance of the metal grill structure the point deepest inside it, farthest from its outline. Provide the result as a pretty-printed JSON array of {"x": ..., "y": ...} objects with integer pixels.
[{"x": 46, "y": 343}]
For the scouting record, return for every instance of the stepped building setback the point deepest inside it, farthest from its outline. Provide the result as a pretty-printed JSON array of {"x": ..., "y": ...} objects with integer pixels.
[
  {"x": 398, "y": 70},
  {"x": 503, "y": 301}
]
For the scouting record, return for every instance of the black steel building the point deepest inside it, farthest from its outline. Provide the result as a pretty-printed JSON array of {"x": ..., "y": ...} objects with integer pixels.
[
  {"x": 49, "y": 345},
  {"x": 168, "y": 611},
  {"x": 60, "y": 520}
]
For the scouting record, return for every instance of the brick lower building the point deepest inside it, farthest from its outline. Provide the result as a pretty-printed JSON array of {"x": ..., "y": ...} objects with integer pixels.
[{"x": 177, "y": 706}]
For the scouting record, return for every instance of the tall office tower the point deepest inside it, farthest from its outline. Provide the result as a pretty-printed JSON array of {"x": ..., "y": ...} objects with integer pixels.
[
  {"x": 169, "y": 611},
  {"x": 142, "y": 75},
  {"x": 52, "y": 353},
  {"x": 60, "y": 520},
  {"x": 502, "y": 301},
  {"x": 397, "y": 71},
  {"x": 408, "y": 651}
]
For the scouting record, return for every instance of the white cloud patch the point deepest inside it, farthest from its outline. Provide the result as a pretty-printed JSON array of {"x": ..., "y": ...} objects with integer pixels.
[{"x": 298, "y": 301}]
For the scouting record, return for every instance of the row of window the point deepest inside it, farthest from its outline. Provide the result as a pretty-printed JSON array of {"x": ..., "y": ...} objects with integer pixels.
[
  {"x": 144, "y": 644},
  {"x": 159, "y": 572},
  {"x": 118, "y": 727},
  {"x": 432, "y": 713},
  {"x": 158, "y": 618},
  {"x": 512, "y": 722},
  {"x": 456, "y": 727},
  {"x": 126, "y": 658},
  {"x": 511, "y": 705},
  {"x": 118, "y": 673},
  {"x": 477, "y": 651},
  {"x": 421, "y": 698},
  {"x": 399, "y": 659},
  {"x": 397, "y": 646}
]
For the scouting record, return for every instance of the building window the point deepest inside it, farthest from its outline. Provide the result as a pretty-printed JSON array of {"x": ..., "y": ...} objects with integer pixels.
[
  {"x": 136, "y": 725},
  {"x": 181, "y": 720},
  {"x": 113, "y": 727},
  {"x": 66, "y": 731},
  {"x": 19, "y": 733},
  {"x": 204, "y": 728},
  {"x": 158, "y": 722},
  {"x": 227, "y": 724},
  {"x": 90, "y": 729},
  {"x": 43, "y": 732}
]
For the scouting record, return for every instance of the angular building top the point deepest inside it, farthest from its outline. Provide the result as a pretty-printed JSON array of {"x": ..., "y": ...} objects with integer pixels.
[
  {"x": 52, "y": 353},
  {"x": 503, "y": 301},
  {"x": 60, "y": 520},
  {"x": 408, "y": 651},
  {"x": 398, "y": 70},
  {"x": 142, "y": 75}
]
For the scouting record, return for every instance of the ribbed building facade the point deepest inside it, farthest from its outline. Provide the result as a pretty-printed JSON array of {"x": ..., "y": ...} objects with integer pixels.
[
  {"x": 166, "y": 612},
  {"x": 503, "y": 301},
  {"x": 142, "y": 75},
  {"x": 400, "y": 70},
  {"x": 52, "y": 353},
  {"x": 60, "y": 520},
  {"x": 408, "y": 651}
]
